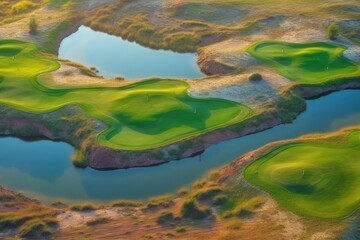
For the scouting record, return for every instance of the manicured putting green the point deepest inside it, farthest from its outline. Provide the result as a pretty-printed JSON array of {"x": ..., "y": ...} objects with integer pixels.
[
  {"x": 312, "y": 179},
  {"x": 139, "y": 116},
  {"x": 309, "y": 63}
]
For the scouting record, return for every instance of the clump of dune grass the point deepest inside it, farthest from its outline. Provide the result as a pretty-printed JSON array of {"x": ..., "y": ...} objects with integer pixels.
[
  {"x": 84, "y": 207},
  {"x": 208, "y": 193},
  {"x": 180, "y": 229},
  {"x": 191, "y": 209},
  {"x": 127, "y": 203},
  {"x": 164, "y": 201},
  {"x": 183, "y": 192},
  {"x": 245, "y": 208},
  {"x": 36, "y": 228},
  {"x": 165, "y": 217},
  {"x": 97, "y": 221}
]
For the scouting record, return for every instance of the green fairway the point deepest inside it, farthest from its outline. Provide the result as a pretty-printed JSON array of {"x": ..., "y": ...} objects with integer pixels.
[
  {"x": 309, "y": 63},
  {"x": 142, "y": 115},
  {"x": 312, "y": 178}
]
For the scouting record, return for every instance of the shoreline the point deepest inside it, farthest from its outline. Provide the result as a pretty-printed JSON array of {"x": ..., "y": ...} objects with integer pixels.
[{"x": 104, "y": 158}]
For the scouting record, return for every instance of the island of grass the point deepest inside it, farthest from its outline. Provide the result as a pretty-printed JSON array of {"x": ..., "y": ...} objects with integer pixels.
[
  {"x": 306, "y": 63},
  {"x": 312, "y": 177},
  {"x": 142, "y": 115}
]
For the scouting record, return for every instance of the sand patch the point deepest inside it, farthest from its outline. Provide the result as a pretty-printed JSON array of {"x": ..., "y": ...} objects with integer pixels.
[{"x": 71, "y": 77}]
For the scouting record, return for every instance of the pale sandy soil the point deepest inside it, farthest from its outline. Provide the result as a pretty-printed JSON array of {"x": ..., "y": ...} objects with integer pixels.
[
  {"x": 69, "y": 219},
  {"x": 71, "y": 77},
  {"x": 293, "y": 227},
  {"x": 46, "y": 18},
  {"x": 239, "y": 89}
]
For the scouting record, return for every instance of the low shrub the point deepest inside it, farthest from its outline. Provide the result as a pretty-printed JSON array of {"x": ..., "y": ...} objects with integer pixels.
[
  {"x": 33, "y": 25},
  {"x": 255, "y": 77},
  {"x": 333, "y": 31}
]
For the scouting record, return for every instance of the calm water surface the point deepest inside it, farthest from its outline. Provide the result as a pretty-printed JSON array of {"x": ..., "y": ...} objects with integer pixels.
[
  {"x": 113, "y": 57},
  {"x": 43, "y": 169}
]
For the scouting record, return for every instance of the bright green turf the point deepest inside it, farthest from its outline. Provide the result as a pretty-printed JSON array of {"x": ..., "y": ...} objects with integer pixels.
[
  {"x": 330, "y": 185},
  {"x": 309, "y": 63},
  {"x": 142, "y": 115}
]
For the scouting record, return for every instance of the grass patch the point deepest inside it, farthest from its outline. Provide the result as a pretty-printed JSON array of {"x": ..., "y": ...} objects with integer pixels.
[
  {"x": 140, "y": 116},
  {"x": 36, "y": 228},
  {"x": 315, "y": 179},
  {"x": 308, "y": 63}
]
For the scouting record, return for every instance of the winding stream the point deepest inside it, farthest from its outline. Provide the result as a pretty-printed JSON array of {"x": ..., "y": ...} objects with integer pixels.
[{"x": 43, "y": 169}]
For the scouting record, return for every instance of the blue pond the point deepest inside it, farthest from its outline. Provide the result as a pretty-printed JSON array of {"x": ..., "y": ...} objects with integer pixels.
[{"x": 114, "y": 57}]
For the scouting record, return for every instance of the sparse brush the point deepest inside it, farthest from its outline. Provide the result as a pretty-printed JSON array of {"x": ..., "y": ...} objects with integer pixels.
[
  {"x": 78, "y": 159},
  {"x": 161, "y": 201},
  {"x": 333, "y": 31},
  {"x": 83, "y": 207},
  {"x": 127, "y": 203},
  {"x": 97, "y": 221},
  {"x": 183, "y": 192},
  {"x": 191, "y": 209},
  {"x": 33, "y": 25},
  {"x": 208, "y": 193},
  {"x": 35, "y": 228},
  {"x": 166, "y": 218}
]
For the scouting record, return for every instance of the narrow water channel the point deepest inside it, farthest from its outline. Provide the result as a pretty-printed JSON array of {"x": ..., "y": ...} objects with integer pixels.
[
  {"x": 43, "y": 169},
  {"x": 115, "y": 57}
]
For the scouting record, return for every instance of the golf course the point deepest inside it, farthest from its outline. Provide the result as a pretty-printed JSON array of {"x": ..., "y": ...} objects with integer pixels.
[
  {"x": 306, "y": 63},
  {"x": 180, "y": 120},
  {"x": 143, "y": 115},
  {"x": 312, "y": 178}
]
